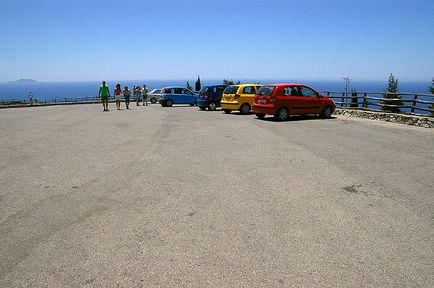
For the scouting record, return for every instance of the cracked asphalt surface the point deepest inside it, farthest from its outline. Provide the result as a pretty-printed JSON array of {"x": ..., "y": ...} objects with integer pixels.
[{"x": 177, "y": 197}]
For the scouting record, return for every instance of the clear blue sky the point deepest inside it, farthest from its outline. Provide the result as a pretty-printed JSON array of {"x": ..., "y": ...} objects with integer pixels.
[{"x": 55, "y": 40}]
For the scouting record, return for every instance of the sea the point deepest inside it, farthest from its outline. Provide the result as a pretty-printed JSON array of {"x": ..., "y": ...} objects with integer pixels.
[{"x": 18, "y": 90}]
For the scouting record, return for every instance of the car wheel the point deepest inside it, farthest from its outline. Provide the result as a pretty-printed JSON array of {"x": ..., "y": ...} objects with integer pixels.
[
  {"x": 327, "y": 112},
  {"x": 153, "y": 100},
  {"x": 227, "y": 111},
  {"x": 202, "y": 108},
  {"x": 245, "y": 108},
  {"x": 281, "y": 114},
  {"x": 260, "y": 115},
  {"x": 212, "y": 106},
  {"x": 169, "y": 103},
  {"x": 192, "y": 105}
]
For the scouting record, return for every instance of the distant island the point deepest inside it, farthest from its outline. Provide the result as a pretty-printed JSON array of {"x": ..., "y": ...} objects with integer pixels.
[{"x": 23, "y": 81}]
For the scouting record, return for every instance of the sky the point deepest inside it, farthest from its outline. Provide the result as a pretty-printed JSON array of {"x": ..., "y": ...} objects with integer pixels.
[{"x": 60, "y": 40}]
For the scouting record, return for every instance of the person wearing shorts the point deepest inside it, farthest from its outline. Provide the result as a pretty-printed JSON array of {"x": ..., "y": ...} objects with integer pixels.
[
  {"x": 104, "y": 94},
  {"x": 138, "y": 95},
  {"x": 127, "y": 97},
  {"x": 145, "y": 95},
  {"x": 117, "y": 93}
]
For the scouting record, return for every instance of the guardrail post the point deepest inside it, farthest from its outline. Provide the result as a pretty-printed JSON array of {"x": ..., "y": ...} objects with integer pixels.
[{"x": 414, "y": 103}]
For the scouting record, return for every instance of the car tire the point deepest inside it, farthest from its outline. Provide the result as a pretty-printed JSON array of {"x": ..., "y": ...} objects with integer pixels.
[
  {"x": 245, "y": 109},
  {"x": 281, "y": 114},
  {"x": 169, "y": 103},
  {"x": 227, "y": 111},
  {"x": 260, "y": 115},
  {"x": 326, "y": 113},
  {"x": 212, "y": 106},
  {"x": 153, "y": 100},
  {"x": 202, "y": 108}
]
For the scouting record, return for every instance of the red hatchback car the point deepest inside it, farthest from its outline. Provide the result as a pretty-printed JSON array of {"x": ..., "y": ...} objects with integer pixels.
[{"x": 282, "y": 100}]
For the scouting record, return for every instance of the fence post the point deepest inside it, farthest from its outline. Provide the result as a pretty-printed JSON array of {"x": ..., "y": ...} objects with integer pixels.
[
  {"x": 342, "y": 102},
  {"x": 414, "y": 103}
]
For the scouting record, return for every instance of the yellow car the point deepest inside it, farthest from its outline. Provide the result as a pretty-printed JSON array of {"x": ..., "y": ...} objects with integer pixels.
[{"x": 239, "y": 97}]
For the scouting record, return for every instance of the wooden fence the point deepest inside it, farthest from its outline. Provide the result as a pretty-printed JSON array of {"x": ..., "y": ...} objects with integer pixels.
[{"x": 413, "y": 103}]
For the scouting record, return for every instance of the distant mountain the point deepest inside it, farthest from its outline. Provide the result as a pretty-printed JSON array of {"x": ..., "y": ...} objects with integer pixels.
[{"x": 23, "y": 81}]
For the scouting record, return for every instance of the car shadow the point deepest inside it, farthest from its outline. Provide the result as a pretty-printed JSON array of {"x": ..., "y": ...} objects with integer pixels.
[
  {"x": 296, "y": 118},
  {"x": 237, "y": 113},
  {"x": 180, "y": 106}
]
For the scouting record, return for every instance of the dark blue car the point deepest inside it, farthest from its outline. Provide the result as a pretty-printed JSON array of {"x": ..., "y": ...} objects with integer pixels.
[
  {"x": 210, "y": 96},
  {"x": 176, "y": 95}
]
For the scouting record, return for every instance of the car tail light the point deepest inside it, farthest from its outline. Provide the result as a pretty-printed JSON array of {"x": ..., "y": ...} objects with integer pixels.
[
  {"x": 236, "y": 96},
  {"x": 272, "y": 99},
  {"x": 205, "y": 96}
]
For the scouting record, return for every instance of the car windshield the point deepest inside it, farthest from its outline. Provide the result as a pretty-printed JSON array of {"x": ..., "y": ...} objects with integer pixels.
[
  {"x": 231, "y": 90},
  {"x": 266, "y": 90}
]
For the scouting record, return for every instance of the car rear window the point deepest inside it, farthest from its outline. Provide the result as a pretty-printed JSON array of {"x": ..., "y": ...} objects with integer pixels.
[
  {"x": 204, "y": 89},
  {"x": 266, "y": 90},
  {"x": 231, "y": 90}
]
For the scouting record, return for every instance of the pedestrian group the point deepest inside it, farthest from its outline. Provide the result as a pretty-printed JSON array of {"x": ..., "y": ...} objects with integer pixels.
[{"x": 140, "y": 93}]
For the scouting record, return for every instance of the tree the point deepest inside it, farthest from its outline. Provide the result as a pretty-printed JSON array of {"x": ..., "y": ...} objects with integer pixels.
[
  {"x": 431, "y": 90},
  {"x": 230, "y": 82},
  {"x": 354, "y": 99},
  {"x": 188, "y": 86},
  {"x": 198, "y": 86},
  {"x": 395, "y": 99}
]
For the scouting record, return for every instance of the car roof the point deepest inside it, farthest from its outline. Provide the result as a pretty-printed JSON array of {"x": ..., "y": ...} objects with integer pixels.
[
  {"x": 242, "y": 85},
  {"x": 171, "y": 87},
  {"x": 213, "y": 85}
]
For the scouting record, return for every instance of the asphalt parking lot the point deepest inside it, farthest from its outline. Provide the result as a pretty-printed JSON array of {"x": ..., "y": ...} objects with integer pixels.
[{"x": 177, "y": 197}]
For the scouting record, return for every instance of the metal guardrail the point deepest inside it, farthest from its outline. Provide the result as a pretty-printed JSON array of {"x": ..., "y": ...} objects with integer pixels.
[
  {"x": 419, "y": 103},
  {"x": 56, "y": 101}
]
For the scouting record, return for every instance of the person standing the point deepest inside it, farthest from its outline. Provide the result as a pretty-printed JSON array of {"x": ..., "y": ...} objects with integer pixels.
[
  {"x": 127, "y": 95},
  {"x": 145, "y": 95},
  {"x": 134, "y": 91},
  {"x": 138, "y": 95},
  {"x": 30, "y": 98},
  {"x": 104, "y": 94},
  {"x": 117, "y": 93}
]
